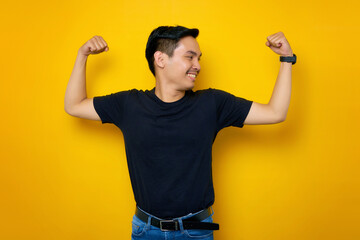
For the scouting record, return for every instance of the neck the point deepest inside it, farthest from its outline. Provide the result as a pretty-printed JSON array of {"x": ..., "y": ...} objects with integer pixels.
[{"x": 167, "y": 93}]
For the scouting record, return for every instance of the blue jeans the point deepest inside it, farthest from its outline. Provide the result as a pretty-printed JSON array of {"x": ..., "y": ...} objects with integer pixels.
[{"x": 142, "y": 230}]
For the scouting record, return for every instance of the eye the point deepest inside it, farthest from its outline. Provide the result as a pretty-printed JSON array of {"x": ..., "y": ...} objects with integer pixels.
[{"x": 191, "y": 57}]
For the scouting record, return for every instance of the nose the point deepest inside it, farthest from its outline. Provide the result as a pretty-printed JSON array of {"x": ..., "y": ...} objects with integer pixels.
[{"x": 196, "y": 66}]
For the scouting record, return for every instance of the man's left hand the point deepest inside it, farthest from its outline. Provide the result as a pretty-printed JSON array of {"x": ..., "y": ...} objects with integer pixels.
[{"x": 278, "y": 43}]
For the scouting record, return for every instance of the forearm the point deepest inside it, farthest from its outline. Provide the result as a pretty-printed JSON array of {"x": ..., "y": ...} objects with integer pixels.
[
  {"x": 280, "y": 99},
  {"x": 76, "y": 88}
]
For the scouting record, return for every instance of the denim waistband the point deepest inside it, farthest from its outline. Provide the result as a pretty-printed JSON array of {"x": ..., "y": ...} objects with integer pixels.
[{"x": 182, "y": 217}]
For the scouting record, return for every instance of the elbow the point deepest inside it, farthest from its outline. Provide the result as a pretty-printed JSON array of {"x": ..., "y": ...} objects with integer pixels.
[
  {"x": 278, "y": 116},
  {"x": 66, "y": 108},
  {"x": 282, "y": 118},
  {"x": 68, "y": 111}
]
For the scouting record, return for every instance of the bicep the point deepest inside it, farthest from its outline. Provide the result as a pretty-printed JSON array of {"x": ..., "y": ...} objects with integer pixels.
[
  {"x": 85, "y": 109},
  {"x": 261, "y": 114}
]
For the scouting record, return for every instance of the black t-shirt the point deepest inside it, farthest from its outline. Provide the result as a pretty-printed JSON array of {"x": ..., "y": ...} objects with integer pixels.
[{"x": 169, "y": 145}]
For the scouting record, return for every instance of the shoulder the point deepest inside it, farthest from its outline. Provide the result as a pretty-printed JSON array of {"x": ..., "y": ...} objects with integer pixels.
[
  {"x": 213, "y": 91},
  {"x": 128, "y": 92},
  {"x": 207, "y": 91},
  {"x": 224, "y": 97},
  {"x": 114, "y": 96},
  {"x": 216, "y": 94}
]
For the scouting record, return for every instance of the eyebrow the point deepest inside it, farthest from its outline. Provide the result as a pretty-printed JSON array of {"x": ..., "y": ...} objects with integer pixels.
[{"x": 193, "y": 53}]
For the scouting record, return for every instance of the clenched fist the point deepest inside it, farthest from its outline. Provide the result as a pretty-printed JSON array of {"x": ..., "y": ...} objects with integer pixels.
[
  {"x": 278, "y": 43},
  {"x": 94, "y": 46}
]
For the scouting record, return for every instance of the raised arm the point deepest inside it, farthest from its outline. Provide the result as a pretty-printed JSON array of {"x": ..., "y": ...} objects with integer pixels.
[
  {"x": 276, "y": 110},
  {"x": 76, "y": 102}
]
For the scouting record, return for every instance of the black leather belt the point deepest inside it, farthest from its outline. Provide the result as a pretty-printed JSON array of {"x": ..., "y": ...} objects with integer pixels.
[{"x": 194, "y": 222}]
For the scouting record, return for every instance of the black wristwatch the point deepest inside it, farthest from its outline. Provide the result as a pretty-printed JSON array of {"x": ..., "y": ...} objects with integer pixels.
[{"x": 288, "y": 59}]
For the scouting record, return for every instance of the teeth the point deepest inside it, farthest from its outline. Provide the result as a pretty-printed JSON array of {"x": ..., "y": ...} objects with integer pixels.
[{"x": 192, "y": 75}]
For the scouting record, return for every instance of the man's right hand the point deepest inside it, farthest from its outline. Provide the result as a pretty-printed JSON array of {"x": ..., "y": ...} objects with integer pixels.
[{"x": 94, "y": 46}]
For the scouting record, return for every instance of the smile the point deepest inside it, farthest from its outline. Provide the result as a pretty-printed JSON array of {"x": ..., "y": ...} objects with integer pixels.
[{"x": 191, "y": 76}]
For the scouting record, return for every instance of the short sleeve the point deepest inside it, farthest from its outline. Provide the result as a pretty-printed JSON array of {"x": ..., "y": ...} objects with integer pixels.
[
  {"x": 231, "y": 110},
  {"x": 110, "y": 108}
]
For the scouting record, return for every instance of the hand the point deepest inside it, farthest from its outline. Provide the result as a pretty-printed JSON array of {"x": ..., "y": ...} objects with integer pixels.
[
  {"x": 95, "y": 45},
  {"x": 278, "y": 43}
]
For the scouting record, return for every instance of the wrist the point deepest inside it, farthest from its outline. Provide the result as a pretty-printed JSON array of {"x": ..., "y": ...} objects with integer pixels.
[
  {"x": 82, "y": 56},
  {"x": 288, "y": 58}
]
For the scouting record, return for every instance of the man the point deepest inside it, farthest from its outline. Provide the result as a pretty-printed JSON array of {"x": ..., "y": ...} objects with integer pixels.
[{"x": 169, "y": 130}]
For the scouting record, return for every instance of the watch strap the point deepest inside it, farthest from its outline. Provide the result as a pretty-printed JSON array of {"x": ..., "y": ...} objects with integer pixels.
[{"x": 291, "y": 59}]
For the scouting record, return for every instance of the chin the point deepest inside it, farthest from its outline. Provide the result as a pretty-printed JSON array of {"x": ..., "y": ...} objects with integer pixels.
[
  {"x": 188, "y": 86},
  {"x": 191, "y": 87}
]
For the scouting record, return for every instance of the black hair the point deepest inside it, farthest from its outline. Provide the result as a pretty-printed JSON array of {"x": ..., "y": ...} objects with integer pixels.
[{"x": 165, "y": 39}]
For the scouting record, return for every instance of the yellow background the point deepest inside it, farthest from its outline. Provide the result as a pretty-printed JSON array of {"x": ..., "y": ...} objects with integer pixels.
[{"x": 66, "y": 178}]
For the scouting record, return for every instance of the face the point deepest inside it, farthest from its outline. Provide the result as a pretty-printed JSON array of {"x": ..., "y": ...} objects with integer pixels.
[{"x": 183, "y": 67}]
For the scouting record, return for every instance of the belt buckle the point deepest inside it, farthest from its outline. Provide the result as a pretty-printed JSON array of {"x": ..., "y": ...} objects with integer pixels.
[{"x": 166, "y": 230}]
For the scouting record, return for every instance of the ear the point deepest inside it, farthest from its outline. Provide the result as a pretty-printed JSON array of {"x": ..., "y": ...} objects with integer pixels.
[{"x": 159, "y": 59}]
